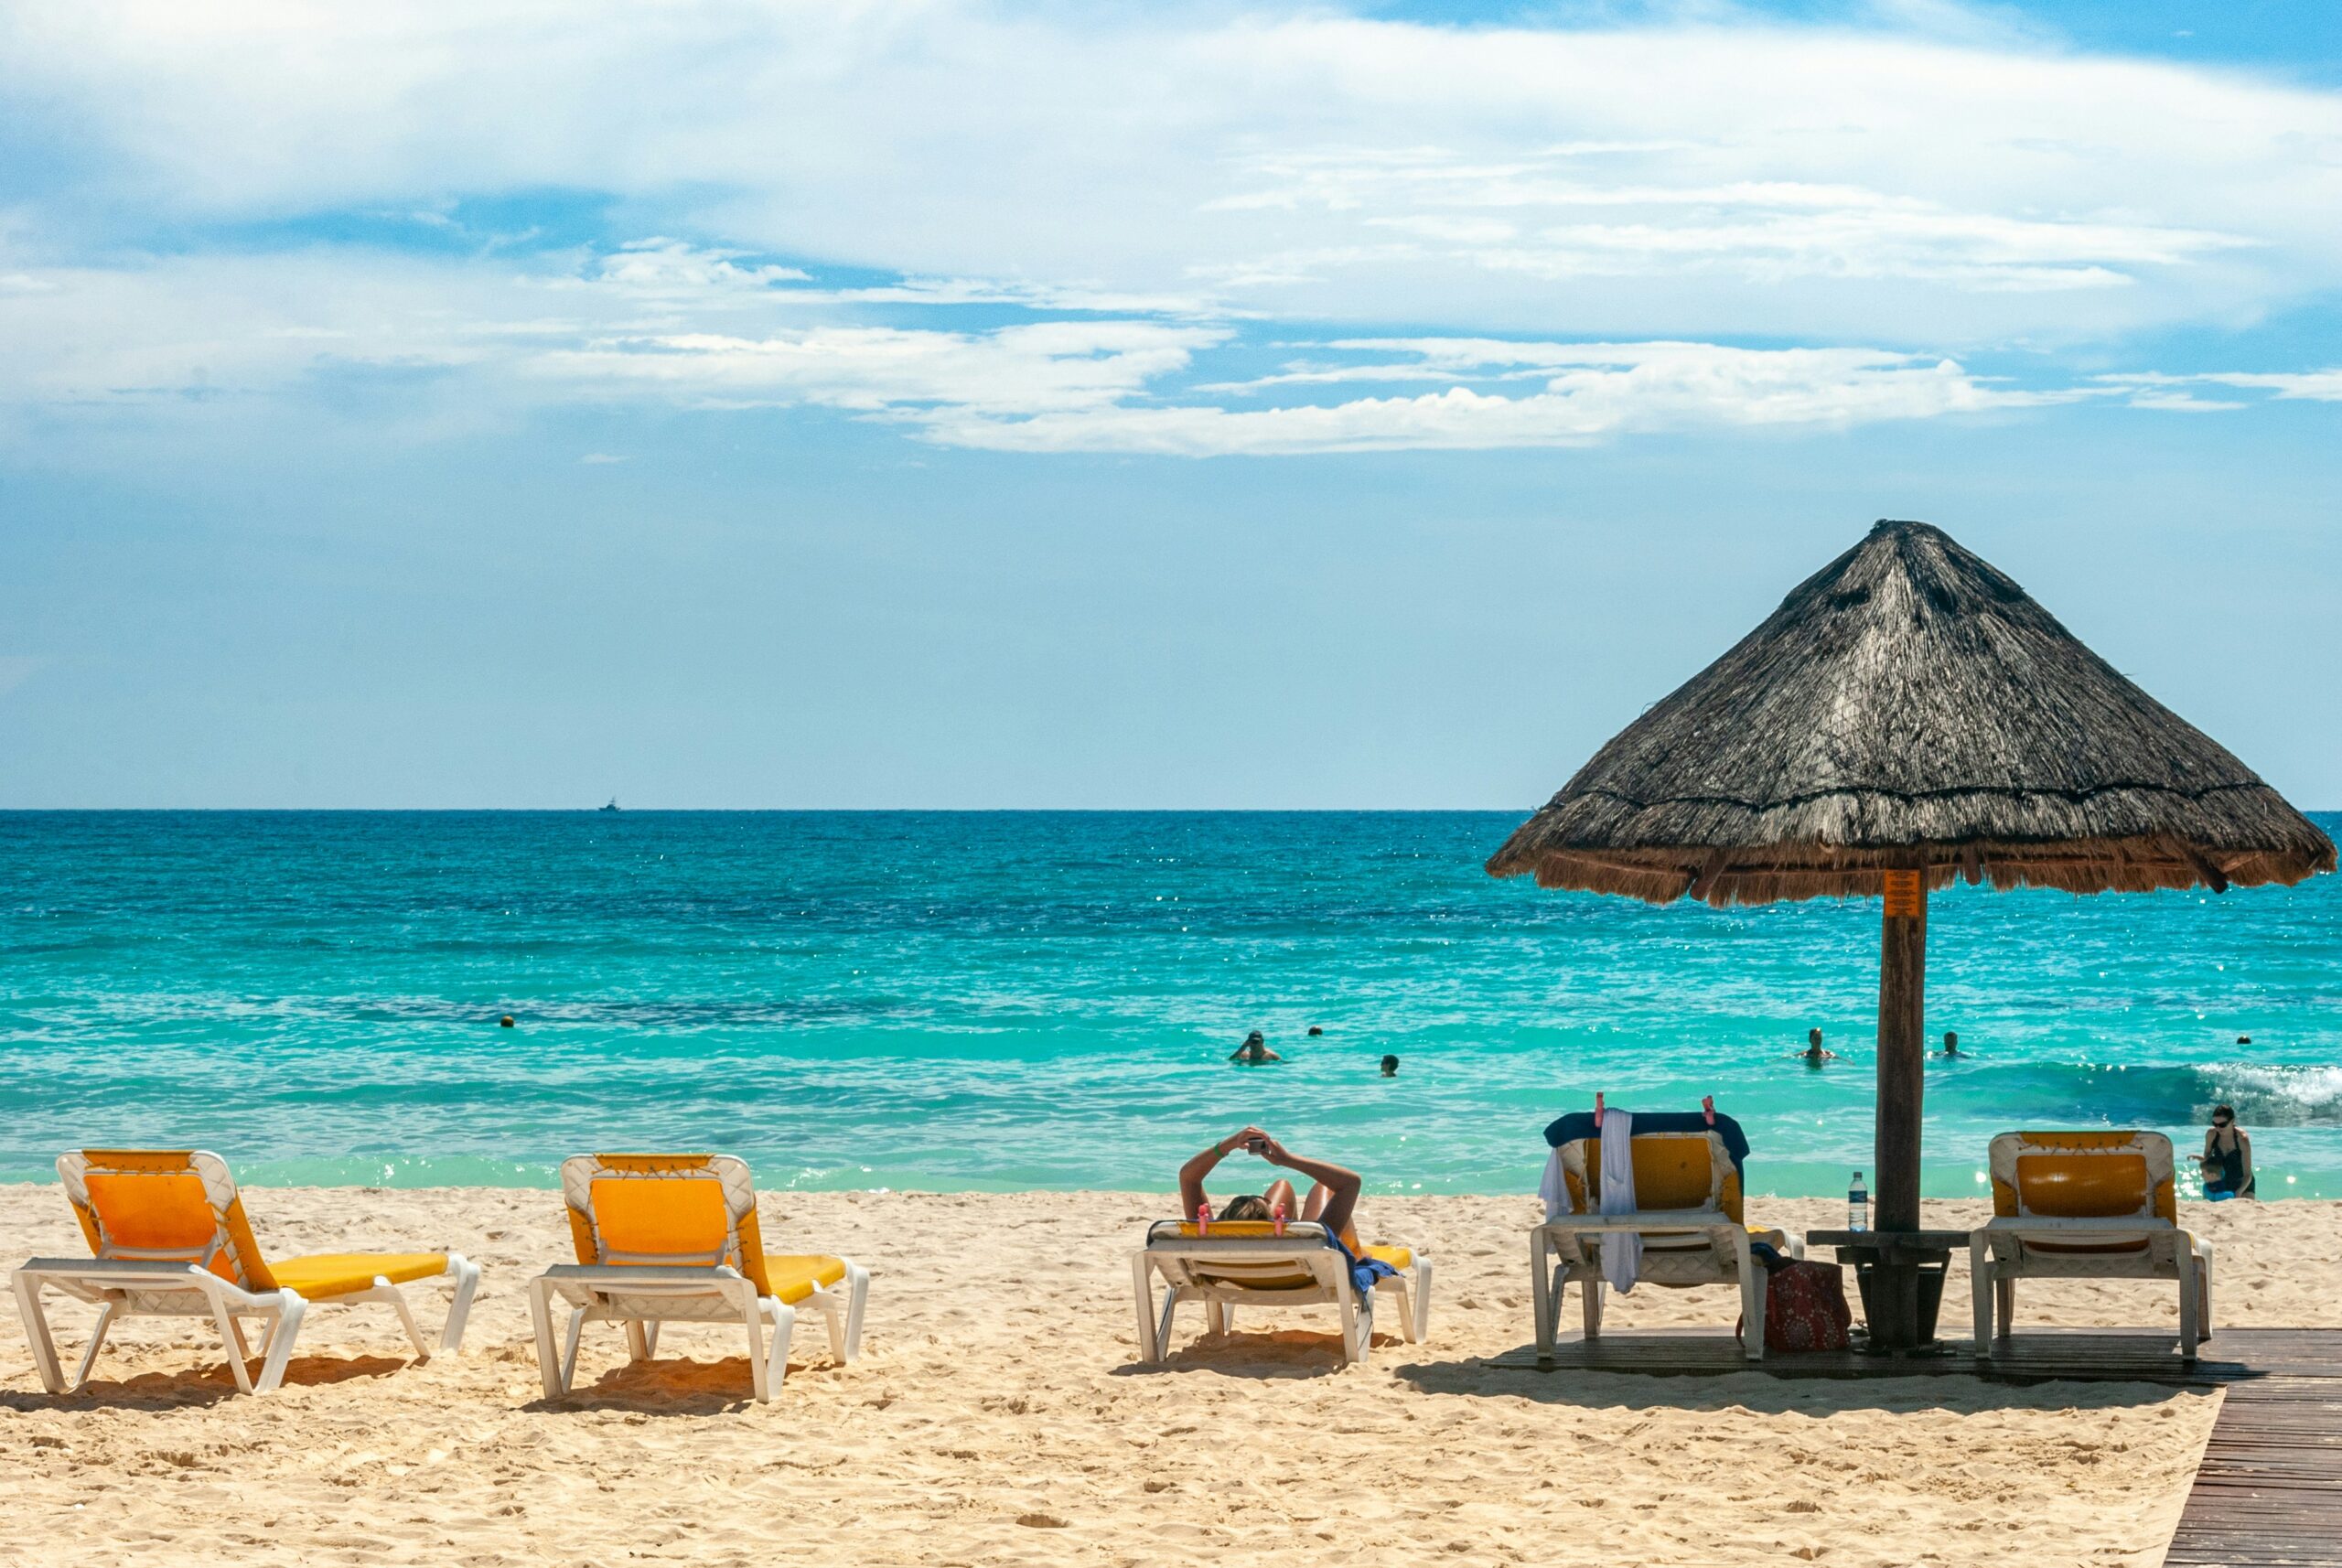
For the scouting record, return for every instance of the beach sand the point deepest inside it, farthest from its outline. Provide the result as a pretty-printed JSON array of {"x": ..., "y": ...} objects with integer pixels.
[{"x": 998, "y": 1416}]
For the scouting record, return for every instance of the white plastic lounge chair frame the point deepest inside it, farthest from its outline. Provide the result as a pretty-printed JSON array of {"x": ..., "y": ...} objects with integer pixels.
[
  {"x": 1244, "y": 1264},
  {"x": 2033, "y": 1172},
  {"x": 125, "y": 1282},
  {"x": 1706, "y": 1244},
  {"x": 707, "y": 1289}
]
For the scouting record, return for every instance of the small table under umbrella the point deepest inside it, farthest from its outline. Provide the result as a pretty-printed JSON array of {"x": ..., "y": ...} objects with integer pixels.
[{"x": 1908, "y": 715}]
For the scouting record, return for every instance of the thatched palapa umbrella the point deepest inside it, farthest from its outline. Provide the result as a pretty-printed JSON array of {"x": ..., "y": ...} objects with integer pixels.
[{"x": 1908, "y": 715}]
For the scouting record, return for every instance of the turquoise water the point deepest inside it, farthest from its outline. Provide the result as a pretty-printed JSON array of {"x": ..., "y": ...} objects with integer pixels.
[{"x": 1046, "y": 999}]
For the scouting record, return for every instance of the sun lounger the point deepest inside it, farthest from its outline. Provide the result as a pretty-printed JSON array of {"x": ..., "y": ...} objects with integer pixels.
[
  {"x": 1688, "y": 1212},
  {"x": 674, "y": 1238},
  {"x": 169, "y": 1239},
  {"x": 2091, "y": 1205},
  {"x": 1244, "y": 1263}
]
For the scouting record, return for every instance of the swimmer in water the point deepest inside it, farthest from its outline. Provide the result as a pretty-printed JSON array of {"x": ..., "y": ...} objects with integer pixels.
[
  {"x": 1389, "y": 1067},
  {"x": 1332, "y": 1201},
  {"x": 1813, "y": 1054},
  {"x": 1255, "y": 1049},
  {"x": 1951, "y": 1043}
]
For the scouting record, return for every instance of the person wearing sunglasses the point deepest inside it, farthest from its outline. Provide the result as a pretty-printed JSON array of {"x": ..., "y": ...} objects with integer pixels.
[{"x": 2228, "y": 1157}]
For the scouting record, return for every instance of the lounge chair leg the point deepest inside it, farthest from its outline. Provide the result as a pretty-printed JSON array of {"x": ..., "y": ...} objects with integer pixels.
[
  {"x": 2204, "y": 1268},
  {"x": 406, "y": 1317},
  {"x": 1544, "y": 1297},
  {"x": 1979, "y": 1292},
  {"x": 1141, "y": 1272},
  {"x": 1591, "y": 1288},
  {"x": 2004, "y": 1302},
  {"x": 37, "y": 1335},
  {"x": 832, "y": 1307},
  {"x": 1407, "y": 1306},
  {"x": 97, "y": 1341},
  {"x": 551, "y": 1370},
  {"x": 857, "y": 1278},
  {"x": 231, "y": 1341},
  {"x": 1361, "y": 1316},
  {"x": 2190, "y": 1298},
  {"x": 289, "y": 1313},
  {"x": 465, "y": 1274},
  {"x": 1163, "y": 1327},
  {"x": 752, "y": 1310},
  {"x": 638, "y": 1344},
  {"x": 650, "y": 1339},
  {"x": 784, "y": 1328},
  {"x": 569, "y": 1355},
  {"x": 1422, "y": 1330},
  {"x": 1216, "y": 1317},
  {"x": 1752, "y": 1312}
]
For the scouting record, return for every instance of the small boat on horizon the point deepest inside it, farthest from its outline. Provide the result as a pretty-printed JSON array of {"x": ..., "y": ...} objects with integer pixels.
[{"x": 612, "y": 805}]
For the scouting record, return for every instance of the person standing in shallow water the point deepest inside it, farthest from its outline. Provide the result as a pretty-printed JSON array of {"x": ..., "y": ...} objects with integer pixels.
[{"x": 1255, "y": 1049}]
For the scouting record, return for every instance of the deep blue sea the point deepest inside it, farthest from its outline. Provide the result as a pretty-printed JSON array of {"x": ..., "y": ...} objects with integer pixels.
[{"x": 1047, "y": 1000}]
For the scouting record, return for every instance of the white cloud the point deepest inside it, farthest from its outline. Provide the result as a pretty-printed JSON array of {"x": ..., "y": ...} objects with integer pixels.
[
  {"x": 2318, "y": 386},
  {"x": 1608, "y": 390},
  {"x": 1720, "y": 177},
  {"x": 1022, "y": 369},
  {"x": 169, "y": 329},
  {"x": 2163, "y": 390}
]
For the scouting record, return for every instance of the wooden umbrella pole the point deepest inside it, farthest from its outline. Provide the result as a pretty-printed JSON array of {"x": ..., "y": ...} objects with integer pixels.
[{"x": 1901, "y": 1078}]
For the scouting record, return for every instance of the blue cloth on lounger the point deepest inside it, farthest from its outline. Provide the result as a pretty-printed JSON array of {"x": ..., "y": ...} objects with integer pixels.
[
  {"x": 1364, "y": 1272},
  {"x": 1579, "y": 1125}
]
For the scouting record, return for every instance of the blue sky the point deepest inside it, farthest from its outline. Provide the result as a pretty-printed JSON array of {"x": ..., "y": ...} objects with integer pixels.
[{"x": 952, "y": 404}]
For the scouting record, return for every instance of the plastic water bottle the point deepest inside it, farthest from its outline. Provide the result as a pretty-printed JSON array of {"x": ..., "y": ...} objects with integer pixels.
[{"x": 1858, "y": 1205}]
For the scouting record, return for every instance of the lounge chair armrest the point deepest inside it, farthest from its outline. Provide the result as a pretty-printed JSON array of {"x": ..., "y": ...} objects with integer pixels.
[
  {"x": 638, "y": 1274},
  {"x": 115, "y": 1268},
  {"x": 1690, "y": 1223},
  {"x": 2051, "y": 1224}
]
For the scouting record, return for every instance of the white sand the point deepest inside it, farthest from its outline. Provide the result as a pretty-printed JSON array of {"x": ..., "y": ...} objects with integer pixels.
[{"x": 998, "y": 1418}]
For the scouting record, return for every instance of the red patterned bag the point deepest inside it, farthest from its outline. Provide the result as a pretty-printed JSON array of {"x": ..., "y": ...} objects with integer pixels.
[{"x": 1805, "y": 1307}]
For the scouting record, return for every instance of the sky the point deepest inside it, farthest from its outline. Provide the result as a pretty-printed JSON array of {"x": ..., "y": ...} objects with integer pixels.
[{"x": 937, "y": 404}]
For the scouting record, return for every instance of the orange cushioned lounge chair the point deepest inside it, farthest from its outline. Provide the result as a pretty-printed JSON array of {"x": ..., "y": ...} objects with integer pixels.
[
  {"x": 2085, "y": 1204},
  {"x": 168, "y": 1238},
  {"x": 674, "y": 1238}
]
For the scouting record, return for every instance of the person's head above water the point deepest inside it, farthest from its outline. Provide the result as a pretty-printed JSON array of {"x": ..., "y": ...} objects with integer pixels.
[
  {"x": 2223, "y": 1115},
  {"x": 1813, "y": 1038},
  {"x": 1950, "y": 1042},
  {"x": 1256, "y": 1039},
  {"x": 1389, "y": 1067}
]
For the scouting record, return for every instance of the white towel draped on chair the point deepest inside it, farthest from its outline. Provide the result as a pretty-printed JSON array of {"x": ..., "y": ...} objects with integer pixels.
[{"x": 1622, "y": 1252}]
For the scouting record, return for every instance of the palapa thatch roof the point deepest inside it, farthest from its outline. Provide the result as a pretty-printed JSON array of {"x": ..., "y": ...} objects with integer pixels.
[{"x": 1909, "y": 705}]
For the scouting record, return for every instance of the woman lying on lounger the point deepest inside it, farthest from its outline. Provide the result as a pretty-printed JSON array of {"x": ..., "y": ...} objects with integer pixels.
[{"x": 1332, "y": 1202}]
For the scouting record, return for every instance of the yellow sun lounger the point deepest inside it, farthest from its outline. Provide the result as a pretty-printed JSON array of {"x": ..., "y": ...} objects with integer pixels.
[
  {"x": 169, "y": 1239},
  {"x": 1244, "y": 1263},
  {"x": 674, "y": 1238},
  {"x": 2088, "y": 1205},
  {"x": 1688, "y": 1212}
]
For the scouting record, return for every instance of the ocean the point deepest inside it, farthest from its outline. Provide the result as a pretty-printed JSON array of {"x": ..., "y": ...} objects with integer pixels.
[{"x": 1047, "y": 1000}]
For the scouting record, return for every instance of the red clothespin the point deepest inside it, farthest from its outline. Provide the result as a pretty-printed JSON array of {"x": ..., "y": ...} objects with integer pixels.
[
  {"x": 1598, "y": 1107},
  {"x": 1708, "y": 1107}
]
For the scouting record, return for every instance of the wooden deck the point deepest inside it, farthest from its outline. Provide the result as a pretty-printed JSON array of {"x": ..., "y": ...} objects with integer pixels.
[
  {"x": 2268, "y": 1493},
  {"x": 2235, "y": 1356}
]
